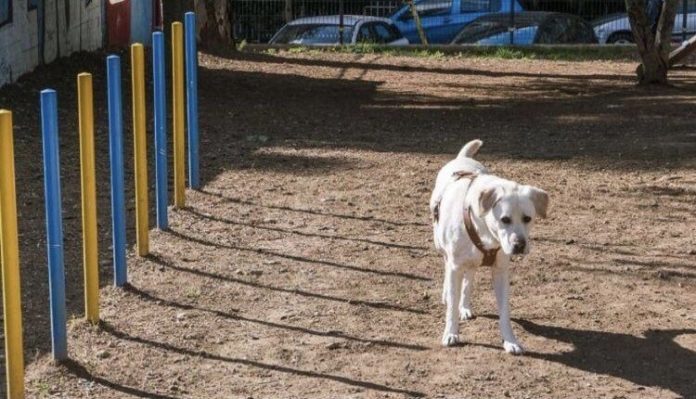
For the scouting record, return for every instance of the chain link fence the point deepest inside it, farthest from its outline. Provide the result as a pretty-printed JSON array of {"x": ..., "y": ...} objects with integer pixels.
[{"x": 482, "y": 22}]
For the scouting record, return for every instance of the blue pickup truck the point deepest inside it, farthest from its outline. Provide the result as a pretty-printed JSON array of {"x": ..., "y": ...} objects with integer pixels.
[{"x": 443, "y": 19}]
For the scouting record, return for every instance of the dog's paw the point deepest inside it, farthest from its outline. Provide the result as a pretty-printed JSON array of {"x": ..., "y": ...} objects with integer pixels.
[
  {"x": 450, "y": 339},
  {"x": 466, "y": 314},
  {"x": 513, "y": 348}
]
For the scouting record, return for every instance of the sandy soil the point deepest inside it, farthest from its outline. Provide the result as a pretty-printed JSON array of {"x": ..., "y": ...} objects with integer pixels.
[{"x": 304, "y": 267}]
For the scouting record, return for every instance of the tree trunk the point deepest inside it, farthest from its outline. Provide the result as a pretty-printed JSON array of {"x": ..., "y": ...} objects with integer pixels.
[
  {"x": 417, "y": 21},
  {"x": 653, "y": 46},
  {"x": 214, "y": 23}
]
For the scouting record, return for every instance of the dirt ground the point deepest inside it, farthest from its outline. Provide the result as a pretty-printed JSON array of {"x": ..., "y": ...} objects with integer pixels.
[{"x": 304, "y": 267}]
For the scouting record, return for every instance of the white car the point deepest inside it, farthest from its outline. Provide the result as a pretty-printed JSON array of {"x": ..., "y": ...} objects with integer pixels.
[
  {"x": 324, "y": 31},
  {"x": 616, "y": 29}
]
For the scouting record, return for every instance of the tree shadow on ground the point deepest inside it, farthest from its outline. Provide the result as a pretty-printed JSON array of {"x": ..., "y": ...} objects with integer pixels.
[
  {"x": 81, "y": 372},
  {"x": 217, "y": 219},
  {"x": 356, "y": 302},
  {"x": 654, "y": 360},
  {"x": 260, "y": 365},
  {"x": 310, "y": 211},
  {"x": 598, "y": 121},
  {"x": 146, "y": 296},
  {"x": 380, "y": 66}
]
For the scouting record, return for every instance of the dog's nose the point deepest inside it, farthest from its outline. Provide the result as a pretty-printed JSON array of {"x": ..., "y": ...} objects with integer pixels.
[{"x": 518, "y": 247}]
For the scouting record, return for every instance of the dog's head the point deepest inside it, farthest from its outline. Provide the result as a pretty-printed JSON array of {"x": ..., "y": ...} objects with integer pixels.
[{"x": 510, "y": 212}]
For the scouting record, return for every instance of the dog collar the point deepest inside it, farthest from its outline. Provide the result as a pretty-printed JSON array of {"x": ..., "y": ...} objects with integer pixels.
[{"x": 488, "y": 254}]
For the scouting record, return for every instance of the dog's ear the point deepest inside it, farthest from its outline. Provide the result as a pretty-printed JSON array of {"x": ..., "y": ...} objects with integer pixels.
[
  {"x": 540, "y": 199},
  {"x": 487, "y": 199}
]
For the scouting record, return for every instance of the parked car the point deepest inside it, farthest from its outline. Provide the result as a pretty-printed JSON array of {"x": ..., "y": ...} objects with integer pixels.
[
  {"x": 324, "y": 31},
  {"x": 616, "y": 28},
  {"x": 532, "y": 27},
  {"x": 443, "y": 19}
]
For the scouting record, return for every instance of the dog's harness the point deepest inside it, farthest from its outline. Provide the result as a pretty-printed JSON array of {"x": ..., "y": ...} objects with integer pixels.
[{"x": 489, "y": 255}]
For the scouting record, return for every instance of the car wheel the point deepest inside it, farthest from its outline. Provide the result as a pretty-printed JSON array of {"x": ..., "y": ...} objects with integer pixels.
[{"x": 621, "y": 38}]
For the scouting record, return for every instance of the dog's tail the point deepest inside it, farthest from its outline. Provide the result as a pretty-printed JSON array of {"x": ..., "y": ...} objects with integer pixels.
[{"x": 470, "y": 149}]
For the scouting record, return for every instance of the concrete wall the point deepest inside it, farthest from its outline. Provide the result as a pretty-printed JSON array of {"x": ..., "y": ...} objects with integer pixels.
[{"x": 43, "y": 33}]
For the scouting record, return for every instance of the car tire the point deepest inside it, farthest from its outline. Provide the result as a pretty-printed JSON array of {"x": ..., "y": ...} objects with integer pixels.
[{"x": 621, "y": 38}]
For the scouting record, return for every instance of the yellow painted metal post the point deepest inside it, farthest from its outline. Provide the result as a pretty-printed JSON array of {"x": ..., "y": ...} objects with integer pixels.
[
  {"x": 178, "y": 117},
  {"x": 9, "y": 249},
  {"x": 89, "y": 196},
  {"x": 140, "y": 149}
]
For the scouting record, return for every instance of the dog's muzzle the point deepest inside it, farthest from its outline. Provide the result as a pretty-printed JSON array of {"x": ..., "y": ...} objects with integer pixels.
[{"x": 519, "y": 246}]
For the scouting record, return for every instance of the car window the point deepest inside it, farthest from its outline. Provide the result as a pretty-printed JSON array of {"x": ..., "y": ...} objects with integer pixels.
[
  {"x": 690, "y": 6},
  {"x": 383, "y": 33},
  {"x": 429, "y": 8},
  {"x": 565, "y": 30},
  {"x": 559, "y": 30},
  {"x": 312, "y": 34},
  {"x": 478, "y": 30},
  {"x": 364, "y": 34},
  {"x": 580, "y": 32},
  {"x": 396, "y": 34},
  {"x": 480, "y": 5},
  {"x": 551, "y": 31},
  {"x": 5, "y": 12}
]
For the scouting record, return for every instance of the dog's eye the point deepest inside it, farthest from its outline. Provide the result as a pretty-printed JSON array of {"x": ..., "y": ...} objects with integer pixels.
[
  {"x": 526, "y": 219},
  {"x": 505, "y": 220}
]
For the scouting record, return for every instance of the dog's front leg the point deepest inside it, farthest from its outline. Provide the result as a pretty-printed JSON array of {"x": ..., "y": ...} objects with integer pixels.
[
  {"x": 501, "y": 283},
  {"x": 453, "y": 290}
]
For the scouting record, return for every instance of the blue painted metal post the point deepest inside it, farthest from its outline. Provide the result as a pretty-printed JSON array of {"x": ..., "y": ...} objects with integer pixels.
[
  {"x": 160, "y": 99},
  {"x": 54, "y": 222},
  {"x": 192, "y": 98},
  {"x": 118, "y": 204}
]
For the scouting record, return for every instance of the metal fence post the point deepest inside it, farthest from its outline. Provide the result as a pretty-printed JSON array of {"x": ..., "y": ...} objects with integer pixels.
[
  {"x": 160, "y": 101},
  {"x": 118, "y": 202},
  {"x": 54, "y": 223},
  {"x": 340, "y": 22},
  {"x": 684, "y": 12},
  {"x": 192, "y": 98},
  {"x": 9, "y": 254},
  {"x": 511, "y": 28}
]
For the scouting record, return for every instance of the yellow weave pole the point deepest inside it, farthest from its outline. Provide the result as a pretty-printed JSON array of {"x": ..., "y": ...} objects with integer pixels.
[
  {"x": 178, "y": 103},
  {"x": 140, "y": 149},
  {"x": 90, "y": 258},
  {"x": 9, "y": 249}
]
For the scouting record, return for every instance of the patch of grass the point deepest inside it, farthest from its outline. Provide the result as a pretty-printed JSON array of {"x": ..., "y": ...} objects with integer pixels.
[
  {"x": 555, "y": 53},
  {"x": 43, "y": 389},
  {"x": 192, "y": 292},
  {"x": 297, "y": 50},
  {"x": 511, "y": 53}
]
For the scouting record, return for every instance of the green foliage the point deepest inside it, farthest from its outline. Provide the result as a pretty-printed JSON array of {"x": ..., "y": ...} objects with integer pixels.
[{"x": 555, "y": 53}]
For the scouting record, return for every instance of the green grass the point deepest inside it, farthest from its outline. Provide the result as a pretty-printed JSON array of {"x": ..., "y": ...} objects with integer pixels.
[{"x": 556, "y": 53}]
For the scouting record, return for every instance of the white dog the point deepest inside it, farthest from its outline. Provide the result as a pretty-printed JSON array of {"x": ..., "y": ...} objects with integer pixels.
[{"x": 480, "y": 220}]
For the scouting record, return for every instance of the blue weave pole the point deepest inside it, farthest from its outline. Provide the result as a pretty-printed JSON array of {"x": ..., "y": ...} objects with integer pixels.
[
  {"x": 192, "y": 98},
  {"x": 54, "y": 222},
  {"x": 118, "y": 203},
  {"x": 160, "y": 99}
]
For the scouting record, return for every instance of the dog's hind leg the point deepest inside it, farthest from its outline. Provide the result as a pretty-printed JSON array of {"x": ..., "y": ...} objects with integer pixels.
[
  {"x": 465, "y": 312},
  {"x": 453, "y": 287}
]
